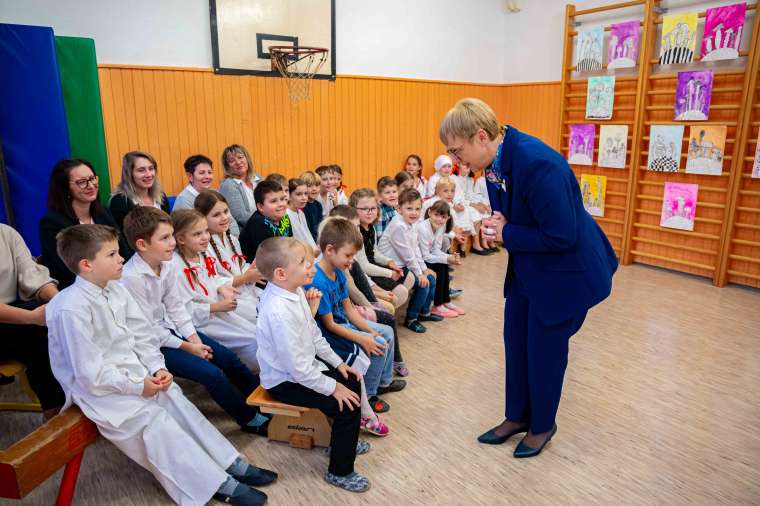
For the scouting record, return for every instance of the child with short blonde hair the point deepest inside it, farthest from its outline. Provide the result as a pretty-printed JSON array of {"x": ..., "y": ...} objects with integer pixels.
[{"x": 313, "y": 208}]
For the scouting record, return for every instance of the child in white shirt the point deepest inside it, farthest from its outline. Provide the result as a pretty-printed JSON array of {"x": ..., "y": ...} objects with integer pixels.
[
  {"x": 475, "y": 197},
  {"x": 105, "y": 354},
  {"x": 400, "y": 244},
  {"x": 211, "y": 299},
  {"x": 299, "y": 197},
  {"x": 413, "y": 167},
  {"x": 443, "y": 168},
  {"x": 290, "y": 346}
]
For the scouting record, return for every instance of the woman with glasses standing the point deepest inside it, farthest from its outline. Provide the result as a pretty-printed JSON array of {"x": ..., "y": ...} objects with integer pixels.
[
  {"x": 139, "y": 186},
  {"x": 72, "y": 200}
]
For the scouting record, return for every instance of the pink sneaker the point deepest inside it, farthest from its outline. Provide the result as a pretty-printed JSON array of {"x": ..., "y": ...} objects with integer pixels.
[
  {"x": 377, "y": 428},
  {"x": 451, "y": 307},
  {"x": 444, "y": 312}
]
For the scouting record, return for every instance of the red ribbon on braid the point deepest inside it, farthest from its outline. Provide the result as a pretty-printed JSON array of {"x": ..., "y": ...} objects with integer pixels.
[
  {"x": 210, "y": 268},
  {"x": 191, "y": 274},
  {"x": 226, "y": 265},
  {"x": 240, "y": 258}
]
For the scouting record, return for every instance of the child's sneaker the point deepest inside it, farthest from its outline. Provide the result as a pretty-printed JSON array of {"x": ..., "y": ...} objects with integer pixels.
[
  {"x": 362, "y": 447},
  {"x": 378, "y": 405},
  {"x": 353, "y": 482},
  {"x": 456, "y": 309},
  {"x": 444, "y": 312},
  {"x": 400, "y": 369},
  {"x": 374, "y": 427},
  {"x": 455, "y": 292},
  {"x": 415, "y": 326}
]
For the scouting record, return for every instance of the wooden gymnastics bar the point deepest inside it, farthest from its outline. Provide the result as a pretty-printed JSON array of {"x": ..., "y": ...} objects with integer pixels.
[
  {"x": 627, "y": 104},
  {"x": 705, "y": 250},
  {"x": 740, "y": 251}
]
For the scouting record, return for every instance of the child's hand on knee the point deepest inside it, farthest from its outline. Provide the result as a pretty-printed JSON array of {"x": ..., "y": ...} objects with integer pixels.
[
  {"x": 346, "y": 397},
  {"x": 423, "y": 280},
  {"x": 346, "y": 369},
  {"x": 151, "y": 386},
  {"x": 164, "y": 378}
]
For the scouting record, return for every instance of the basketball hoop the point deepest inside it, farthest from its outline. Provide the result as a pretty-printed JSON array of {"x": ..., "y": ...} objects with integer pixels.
[{"x": 298, "y": 65}]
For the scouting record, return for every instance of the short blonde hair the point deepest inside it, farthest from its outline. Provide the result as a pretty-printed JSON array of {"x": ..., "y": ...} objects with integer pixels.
[
  {"x": 311, "y": 178},
  {"x": 277, "y": 252},
  {"x": 467, "y": 117},
  {"x": 445, "y": 182}
]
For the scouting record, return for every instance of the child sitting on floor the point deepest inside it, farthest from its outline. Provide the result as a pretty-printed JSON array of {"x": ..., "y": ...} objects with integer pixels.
[
  {"x": 188, "y": 354},
  {"x": 104, "y": 354},
  {"x": 401, "y": 244},
  {"x": 298, "y": 366},
  {"x": 210, "y": 298},
  {"x": 432, "y": 236}
]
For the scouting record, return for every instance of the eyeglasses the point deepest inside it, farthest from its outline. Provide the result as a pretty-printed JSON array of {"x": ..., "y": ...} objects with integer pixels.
[
  {"x": 455, "y": 152},
  {"x": 367, "y": 209},
  {"x": 82, "y": 184}
]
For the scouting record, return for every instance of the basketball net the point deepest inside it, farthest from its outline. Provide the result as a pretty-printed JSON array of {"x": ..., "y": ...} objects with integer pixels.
[{"x": 298, "y": 65}]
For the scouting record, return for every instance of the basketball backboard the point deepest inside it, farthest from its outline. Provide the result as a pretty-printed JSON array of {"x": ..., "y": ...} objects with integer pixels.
[{"x": 243, "y": 30}]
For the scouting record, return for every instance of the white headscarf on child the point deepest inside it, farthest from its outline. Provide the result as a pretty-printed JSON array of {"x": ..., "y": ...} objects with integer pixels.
[{"x": 441, "y": 161}]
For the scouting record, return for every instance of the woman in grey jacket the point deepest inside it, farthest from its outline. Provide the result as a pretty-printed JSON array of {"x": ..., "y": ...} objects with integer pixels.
[{"x": 239, "y": 182}]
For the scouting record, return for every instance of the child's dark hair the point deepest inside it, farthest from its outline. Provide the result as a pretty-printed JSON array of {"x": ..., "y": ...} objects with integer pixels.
[
  {"x": 323, "y": 170},
  {"x": 278, "y": 178},
  {"x": 402, "y": 177},
  {"x": 338, "y": 232},
  {"x": 264, "y": 188},
  {"x": 408, "y": 195},
  {"x": 441, "y": 207},
  {"x": 345, "y": 211},
  {"x": 419, "y": 161},
  {"x": 384, "y": 182},
  {"x": 295, "y": 183},
  {"x": 82, "y": 242},
  {"x": 142, "y": 222},
  {"x": 193, "y": 161},
  {"x": 204, "y": 203}
]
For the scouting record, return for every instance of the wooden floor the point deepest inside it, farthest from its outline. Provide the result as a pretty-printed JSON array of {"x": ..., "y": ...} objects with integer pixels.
[{"x": 660, "y": 407}]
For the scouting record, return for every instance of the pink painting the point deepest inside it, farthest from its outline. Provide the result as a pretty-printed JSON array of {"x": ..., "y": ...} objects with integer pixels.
[
  {"x": 581, "y": 148},
  {"x": 624, "y": 45},
  {"x": 679, "y": 206},
  {"x": 723, "y": 32}
]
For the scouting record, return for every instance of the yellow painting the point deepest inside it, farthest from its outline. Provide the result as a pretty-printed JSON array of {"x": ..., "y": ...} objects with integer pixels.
[
  {"x": 679, "y": 38},
  {"x": 593, "y": 189}
]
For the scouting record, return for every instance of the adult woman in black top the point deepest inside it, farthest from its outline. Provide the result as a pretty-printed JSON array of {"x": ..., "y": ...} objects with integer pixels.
[
  {"x": 72, "y": 200},
  {"x": 139, "y": 186}
]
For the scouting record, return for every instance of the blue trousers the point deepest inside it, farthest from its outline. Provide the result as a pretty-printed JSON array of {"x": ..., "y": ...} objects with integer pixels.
[
  {"x": 225, "y": 377},
  {"x": 420, "y": 299},
  {"x": 536, "y": 357},
  {"x": 380, "y": 370}
]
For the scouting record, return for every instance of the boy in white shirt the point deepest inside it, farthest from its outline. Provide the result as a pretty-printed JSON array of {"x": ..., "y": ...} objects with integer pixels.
[
  {"x": 293, "y": 352},
  {"x": 105, "y": 354},
  {"x": 187, "y": 353}
]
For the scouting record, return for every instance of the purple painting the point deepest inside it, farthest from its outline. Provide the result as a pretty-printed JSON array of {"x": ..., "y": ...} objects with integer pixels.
[
  {"x": 723, "y": 32},
  {"x": 581, "y": 148},
  {"x": 624, "y": 45},
  {"x": 693, "y": 93}
]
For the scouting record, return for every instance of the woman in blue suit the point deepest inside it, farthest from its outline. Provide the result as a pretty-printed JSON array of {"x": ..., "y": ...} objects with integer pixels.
[{"x": 560, "y": 263}]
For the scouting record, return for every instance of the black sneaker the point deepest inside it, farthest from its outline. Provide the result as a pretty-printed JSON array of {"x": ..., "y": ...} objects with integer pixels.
[
  {"x": 415, "y": 326},
  {"x": 395, "y": 386},
  {"x": 243, "y": 496},
  {"x": 378, "y": 405},
  {"x": 255, "y": 476},
  {"x": 455, "y": 292},
  {"x": 430, "y": 318},
  {"x": 481, "y": 252}
]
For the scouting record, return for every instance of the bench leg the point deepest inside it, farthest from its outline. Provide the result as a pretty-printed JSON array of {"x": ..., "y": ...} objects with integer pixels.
[{"x": 69, "y": 480}]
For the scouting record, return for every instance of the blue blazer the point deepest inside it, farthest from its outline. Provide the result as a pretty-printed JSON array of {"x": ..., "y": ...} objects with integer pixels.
[{"x": 557, "y": 251}]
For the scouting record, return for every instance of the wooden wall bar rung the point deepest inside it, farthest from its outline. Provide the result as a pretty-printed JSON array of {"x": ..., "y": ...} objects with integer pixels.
[
  {"x": 676, "y": 246},
  {"x": 673, "y": 231},
  {"x": 673, "y": 260},
  {"x": 611, "y": 7}
]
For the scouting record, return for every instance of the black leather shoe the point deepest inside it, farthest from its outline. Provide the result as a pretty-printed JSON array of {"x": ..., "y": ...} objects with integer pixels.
[
  {"x": 491, "y": 438},
  {"x": 524, "y": 451},
  {"x": 256, "y": 476},
  {"x": 395, "y": 386},
  {"x": 415, "y": 326},
  {"x": 481, "y": 252},
  {"x": 243, "y": 496},
  {"x": 430, "y": 318}
]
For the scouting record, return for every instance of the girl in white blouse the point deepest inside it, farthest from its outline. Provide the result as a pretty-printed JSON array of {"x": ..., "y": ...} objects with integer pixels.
[
  {"x": 297, "y": 200},
  {"x": 211, "y": 298}
]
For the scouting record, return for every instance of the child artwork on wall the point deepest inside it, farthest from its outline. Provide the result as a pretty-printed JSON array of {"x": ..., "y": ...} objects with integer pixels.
[
  {"x": 623, "y": 49},
  {"x": 600, "y": 96},
  {"x": 693, "y": 95},
  {"x": 679, "y": 206},
  {"x": 679, "y": 38},
  {"x": 588, "y": 49},
  {"x": 707, "y": 146},
  {"x": 613, "y": 140},
  {"x": 665, "y": 148},
  {"x": 581, "y": 148},
  {"x": 593, "y": 189},
  {"x": 723, "y": 32},
  {"x": 756, "y": 165}
]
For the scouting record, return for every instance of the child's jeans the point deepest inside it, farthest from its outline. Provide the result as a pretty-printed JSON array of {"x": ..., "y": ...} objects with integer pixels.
[
  {"x": 420, "y": 298},
  {"x": 380, "y": 370}
]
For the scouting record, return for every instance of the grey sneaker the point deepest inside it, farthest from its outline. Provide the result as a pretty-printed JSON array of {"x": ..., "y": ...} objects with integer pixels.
[
  {"x": 353, "y": 482},
  {"x": 362, "y": 447}
]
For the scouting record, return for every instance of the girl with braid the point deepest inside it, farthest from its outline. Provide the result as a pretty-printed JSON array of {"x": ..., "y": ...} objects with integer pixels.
[
  {"x": 224, "y": 253},
  {"x": 211, "y": 299}
]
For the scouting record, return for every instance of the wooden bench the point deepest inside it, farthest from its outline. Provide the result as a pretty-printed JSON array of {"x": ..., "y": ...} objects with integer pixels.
[
  {"x": 11, "y": 369},
  {"x": 35, "y": 458},
  {"x": 296, "y": 425}
]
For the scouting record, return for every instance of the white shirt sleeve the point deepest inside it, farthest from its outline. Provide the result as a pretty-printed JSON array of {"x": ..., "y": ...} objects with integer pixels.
[
  {"x": 430, "y": 250},
  {"x": 175, "y": 306},
  {"x": 147, "y": 345},
  {"x": 399, "y": 240},
  {"x": 137, "y": 288},
  {"x": 86, "y": 359},
  {"x": 370, "y": 268}
]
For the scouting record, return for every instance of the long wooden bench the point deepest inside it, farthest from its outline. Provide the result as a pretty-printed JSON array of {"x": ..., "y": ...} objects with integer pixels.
[
  {"x": 29, "y": 462},
  {"x": 298, "y": 426}
]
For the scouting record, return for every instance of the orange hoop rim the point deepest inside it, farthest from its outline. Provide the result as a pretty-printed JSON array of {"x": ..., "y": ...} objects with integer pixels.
[{"x": 296, "y": 50}]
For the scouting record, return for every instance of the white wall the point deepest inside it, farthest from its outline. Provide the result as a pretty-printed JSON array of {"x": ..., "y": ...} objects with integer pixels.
[{"x": 428, "y": 39}]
